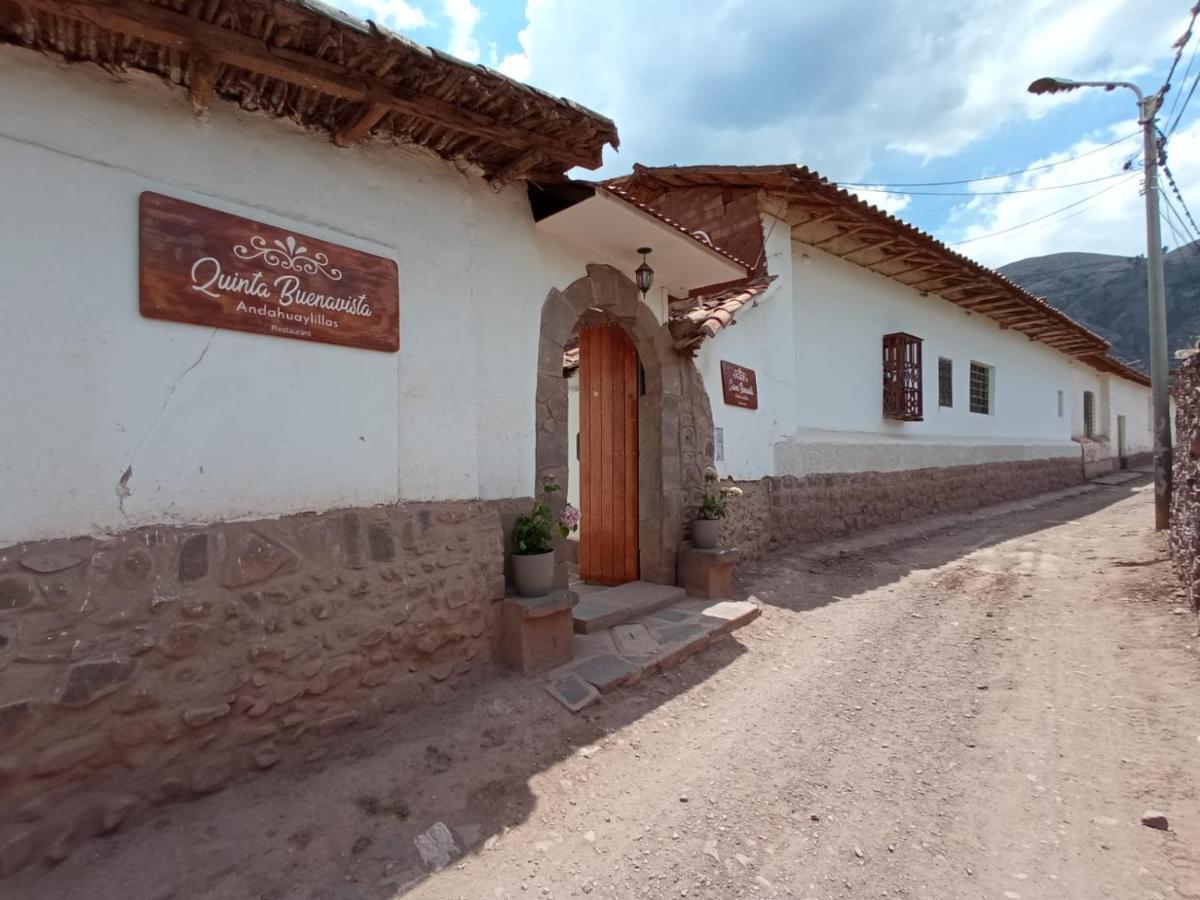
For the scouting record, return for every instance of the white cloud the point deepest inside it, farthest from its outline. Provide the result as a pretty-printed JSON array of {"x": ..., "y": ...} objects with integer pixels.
[
  {"x": 464, "y": 16},
  {"x": 824, "y": 83},
  {"x": 1112, "y": 221},
  {"x": 394, "y": 14}
]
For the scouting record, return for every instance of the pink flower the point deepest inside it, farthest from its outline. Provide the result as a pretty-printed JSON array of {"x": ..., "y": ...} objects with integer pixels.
[{"x": 568, "y": 519}]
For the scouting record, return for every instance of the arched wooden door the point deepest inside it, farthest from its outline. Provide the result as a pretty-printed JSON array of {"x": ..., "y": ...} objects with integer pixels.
[{"x": 608, "y": 455}]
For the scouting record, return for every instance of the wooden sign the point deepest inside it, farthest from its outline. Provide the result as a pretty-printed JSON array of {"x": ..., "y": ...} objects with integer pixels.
[
  {"x": 210, "y": 268},
  {"x": 739, "y": 386}
]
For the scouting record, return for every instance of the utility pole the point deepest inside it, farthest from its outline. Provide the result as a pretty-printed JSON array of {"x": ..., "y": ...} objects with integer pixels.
[{"x": 1155, "y": 285}]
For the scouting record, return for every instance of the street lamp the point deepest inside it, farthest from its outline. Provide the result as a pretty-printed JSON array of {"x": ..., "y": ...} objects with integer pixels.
[{"x": 1156, "y": 289}]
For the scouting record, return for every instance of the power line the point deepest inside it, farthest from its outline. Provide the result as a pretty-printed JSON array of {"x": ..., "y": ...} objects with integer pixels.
[
  {"x": 1170, "y": 217},
  {"x": 1179, "y": 197},
  {"x": 1183, "y": 233},
  {"x": 1183, "y": 108},
  {"x": 1051, "y": 187},
  {"x": 1180, "y": 43},
  {"x": 1044, "y": 217},
  {"x": 916, "y": 184},
  {"x": 1186, "y": 73},
  {"x": 1183, "y": 244}
]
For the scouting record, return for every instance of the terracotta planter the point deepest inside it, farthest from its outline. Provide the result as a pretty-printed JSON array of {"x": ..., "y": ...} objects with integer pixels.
[
  {"x": 533, "y": 574},
  {"x": 705, "y": 533}
]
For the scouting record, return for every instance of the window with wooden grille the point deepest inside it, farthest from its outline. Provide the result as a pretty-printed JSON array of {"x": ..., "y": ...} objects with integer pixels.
[
  {"x": 945, "y": 382},
  {"x": 981, "y": 388},
  {"x": 1089, "y": 414},
  {"x": 902, "y": 398}
]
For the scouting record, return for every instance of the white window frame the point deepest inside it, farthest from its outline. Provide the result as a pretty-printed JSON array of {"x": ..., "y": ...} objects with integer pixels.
[{"x": 991, "y": 388}]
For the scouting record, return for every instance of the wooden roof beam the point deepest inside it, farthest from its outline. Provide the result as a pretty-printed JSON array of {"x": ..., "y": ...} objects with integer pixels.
[
  {"x": 202, "y": 82},
  {"x": 1027, "y": 319},
  {"x": 514, "y": 169},
  {"x": 840, "y": 234},
  {"x": 371, "y": 115},
  {"x": 979, "y": 301},
  {"x": 902, "y": 258},
  {"x": 921, "y": 267},
  {"x": 177, "y": 31},
  {"x": 875, "y": 245},
  {"x": 926, "y": 284}
]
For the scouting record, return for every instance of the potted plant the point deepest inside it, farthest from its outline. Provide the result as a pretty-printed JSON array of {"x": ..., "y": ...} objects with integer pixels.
[
  {"x": 533, "y": 543},
  {"x": 714, "y": 506}
]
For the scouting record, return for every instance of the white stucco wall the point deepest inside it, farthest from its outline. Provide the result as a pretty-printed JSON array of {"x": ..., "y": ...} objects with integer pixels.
[
  {"x": 221, "y": 424},
  {"x": 1085, "y": 378},
  {"x": 1133, "y": 402},
  {"x": 763, "y": 340},
  {"x": 573, "y": 439},
  {"x": 818, "y": 365}
]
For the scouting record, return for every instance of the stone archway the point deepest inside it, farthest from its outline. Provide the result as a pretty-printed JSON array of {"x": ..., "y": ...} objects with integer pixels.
[{"x": 675, "y": 421}]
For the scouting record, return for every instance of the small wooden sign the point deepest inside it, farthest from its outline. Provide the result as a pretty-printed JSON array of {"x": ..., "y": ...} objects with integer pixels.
[
  {"x": 210, "y": 268},
  {"x": 739, "y": 386}
]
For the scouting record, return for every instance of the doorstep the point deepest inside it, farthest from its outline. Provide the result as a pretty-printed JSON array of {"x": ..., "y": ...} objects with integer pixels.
[
  {"x": 606, "y": 659},
  {"x": 599, "y": 610}
]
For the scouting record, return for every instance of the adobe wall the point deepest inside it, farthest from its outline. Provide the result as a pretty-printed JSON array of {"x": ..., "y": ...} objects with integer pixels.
[
  {"x": 776, "y": 512},
  {"x": 167, "y": 662},
  {"x": 729, "y": 216},
  {"x": 1185, "y": 485}
]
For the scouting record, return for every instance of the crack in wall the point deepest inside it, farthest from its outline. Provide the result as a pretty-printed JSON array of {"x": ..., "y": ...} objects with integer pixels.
[{"x": 123, "y": 490}]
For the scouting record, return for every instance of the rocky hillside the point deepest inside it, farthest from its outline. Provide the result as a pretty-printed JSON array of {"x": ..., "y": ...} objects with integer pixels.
[{"x": 1108, "y": 295}]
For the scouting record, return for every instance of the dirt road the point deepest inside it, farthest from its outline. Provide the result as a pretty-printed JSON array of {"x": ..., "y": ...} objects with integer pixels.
[{"x": 981, "y": 711}]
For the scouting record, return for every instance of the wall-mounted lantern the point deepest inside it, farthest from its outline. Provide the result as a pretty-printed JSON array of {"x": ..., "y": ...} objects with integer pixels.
[{"x": 644, "y": 274}]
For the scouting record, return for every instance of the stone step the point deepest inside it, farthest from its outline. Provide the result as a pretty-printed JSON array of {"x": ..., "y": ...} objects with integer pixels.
[
  {"x": 607, "y": 659},
  {"x": 603, "y": 609}
]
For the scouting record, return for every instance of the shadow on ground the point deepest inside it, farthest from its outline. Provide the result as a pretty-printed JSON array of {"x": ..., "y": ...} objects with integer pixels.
[{"x": 343, "y": 827}]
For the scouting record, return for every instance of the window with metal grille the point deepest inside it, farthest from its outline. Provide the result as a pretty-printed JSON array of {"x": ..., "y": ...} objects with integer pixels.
[
  {"x": 981, "y": 388},
  {"x": 945, "y": 382},
  {"x": 1089, "y": 414},
  {"x": 902, "y": 396}
]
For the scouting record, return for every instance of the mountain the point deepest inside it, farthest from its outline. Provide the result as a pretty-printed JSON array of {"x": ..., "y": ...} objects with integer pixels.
[{"x": 1108, "y": 295}]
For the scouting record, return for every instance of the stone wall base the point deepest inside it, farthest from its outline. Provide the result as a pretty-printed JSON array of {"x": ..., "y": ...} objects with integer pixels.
[
  {"x": 1185, "y": 481},
  {"x": 779, "y": 511},
  {"x": 166, "y": 663}
]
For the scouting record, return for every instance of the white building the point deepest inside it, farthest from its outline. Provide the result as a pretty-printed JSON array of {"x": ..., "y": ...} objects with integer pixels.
[
  {"x": 1008, "y": 396},
  {"x": 220, "y": 543},
  {"x": 243, "y": 511}
]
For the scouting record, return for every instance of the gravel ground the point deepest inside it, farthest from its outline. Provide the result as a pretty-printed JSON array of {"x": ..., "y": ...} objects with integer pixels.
[{"x": 980, "y": 707}]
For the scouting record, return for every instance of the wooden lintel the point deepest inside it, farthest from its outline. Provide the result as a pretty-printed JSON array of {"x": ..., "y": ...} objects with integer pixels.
[
  {"x": 202, "y": 82},
  {"x": 371, "y": 116},
  {"x": 178, "y": 31}
]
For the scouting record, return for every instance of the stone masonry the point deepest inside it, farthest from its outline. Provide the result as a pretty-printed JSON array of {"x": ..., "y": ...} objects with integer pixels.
[
  {"x": 778, "y": 511},
  {"x": 675, "y": 432},
  {"x": 167, "y": 662},
  {"x": 1185, "y": 485}
]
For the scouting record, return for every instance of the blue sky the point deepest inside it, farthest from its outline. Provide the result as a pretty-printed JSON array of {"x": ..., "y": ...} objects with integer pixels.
[{"x": 873, "y": 91}]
